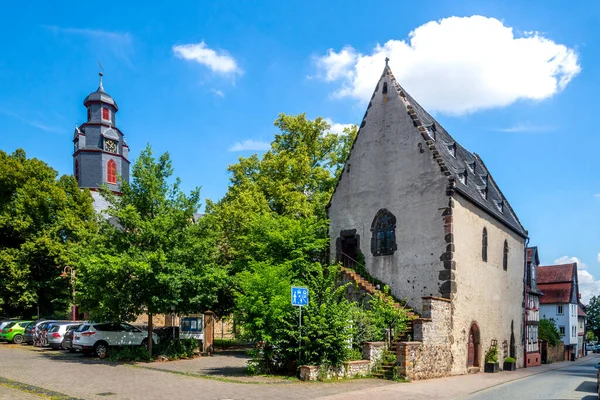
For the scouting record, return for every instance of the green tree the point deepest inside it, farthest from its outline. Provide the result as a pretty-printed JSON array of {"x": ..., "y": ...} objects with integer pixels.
[
  {"x": 548, "y": 331},
  {"x": 42, "y": 219},
  {"x": 593, "y": 315},
  {"x": 149, "y": 255}
]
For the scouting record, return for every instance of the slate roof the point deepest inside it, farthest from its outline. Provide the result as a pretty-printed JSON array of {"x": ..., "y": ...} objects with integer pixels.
[
  {"x": 555, "y": 273},
  {"x": 556, "y": 293},
  {"x": 101, "y": 96},
  {"x": 479, "y": 179}
]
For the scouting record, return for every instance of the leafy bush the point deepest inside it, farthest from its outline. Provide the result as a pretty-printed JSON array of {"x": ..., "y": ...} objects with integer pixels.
[
  {"x": 129, "y": 354},
  {"x": 509, "y": 360},
  {"x": 355, "y": 354},
  {"x": 176, "y": 349},
  {"x": 548, "y": 331},
  {"x": 491, "y": 356}
]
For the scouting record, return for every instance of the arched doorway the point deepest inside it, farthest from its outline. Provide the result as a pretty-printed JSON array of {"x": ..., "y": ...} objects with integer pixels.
[{"x": 473, "y": 349}]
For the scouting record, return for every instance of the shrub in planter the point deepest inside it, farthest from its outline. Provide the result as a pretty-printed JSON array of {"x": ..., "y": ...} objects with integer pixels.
[
  {"x": 491, "y": 359},
  {"x": 510, "y": 364}
]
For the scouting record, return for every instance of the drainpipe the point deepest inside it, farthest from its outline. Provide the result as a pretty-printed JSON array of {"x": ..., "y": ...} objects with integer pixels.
[{"x": 524, "y": 340}]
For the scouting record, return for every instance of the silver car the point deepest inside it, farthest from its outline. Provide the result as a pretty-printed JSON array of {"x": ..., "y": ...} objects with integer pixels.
[{"x": 56, "y": 333}]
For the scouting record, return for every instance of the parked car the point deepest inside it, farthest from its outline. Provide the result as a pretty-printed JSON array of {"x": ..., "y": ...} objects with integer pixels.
[
  {"x": 98, "y": 338},
  {"x": 40, "y": 333},
  {"x": 14, "y": 332},
  {"x": 56, "y": 333},
  {"x": 67, "y": 343},
  {"x": 597, "y": 348},
  {"x": 28, "y": 335},
  {"x": 4, "y": 323},
  {"x": 589, "y": 347}
]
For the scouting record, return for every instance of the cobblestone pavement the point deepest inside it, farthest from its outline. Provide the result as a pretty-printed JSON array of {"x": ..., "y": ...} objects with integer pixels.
[{"x": 89, "y": 378}]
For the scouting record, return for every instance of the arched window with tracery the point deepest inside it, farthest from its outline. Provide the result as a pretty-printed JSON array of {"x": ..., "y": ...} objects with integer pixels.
[
  {"x": 383, "y": 228},
  {"x": 77, "y": 170},
  {"x": 484, "y": 245},
  {"x": 111, "y": 172},
  {"x": 505, "y": 256}
]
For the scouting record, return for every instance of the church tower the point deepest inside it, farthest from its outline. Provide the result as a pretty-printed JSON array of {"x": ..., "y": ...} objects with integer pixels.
[{"x": 101, "y": 155}]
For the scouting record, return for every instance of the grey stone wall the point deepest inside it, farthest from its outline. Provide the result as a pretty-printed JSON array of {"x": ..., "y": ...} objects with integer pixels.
[
  {"x": 350, "y": 369},
  {"x": 430, "y": 355}
]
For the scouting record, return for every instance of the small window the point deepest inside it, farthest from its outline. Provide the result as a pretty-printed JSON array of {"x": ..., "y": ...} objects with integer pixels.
[
  {"x": 105, "y": 114},
  {"x": 471, "y": 166},
  {"x": 559, "y": 310},
  {"x": 484, "y": 179},
  {"x": 505, "y": 256},
  {"x": 111, "y": 172},
  {"x": 384, "y": 91},
  {"x": 483, "y": 192},
  {"x": 431, "y": 132},
  {"x": 500, "y": 206},
  {"x": 561, "y": 329},
  {"x": 462, "y": 177},
  {"x": 484, "y": 245},
  {"x": 452, "y": 149},
  {"x": 383, "y": 241}
]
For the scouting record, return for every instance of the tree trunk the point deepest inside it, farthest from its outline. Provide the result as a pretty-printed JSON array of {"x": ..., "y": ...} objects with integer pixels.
[{"x": 150, "y": 333}]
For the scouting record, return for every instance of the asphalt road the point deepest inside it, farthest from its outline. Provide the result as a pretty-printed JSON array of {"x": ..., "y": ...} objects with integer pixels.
[{"x": 577, "y": 381}]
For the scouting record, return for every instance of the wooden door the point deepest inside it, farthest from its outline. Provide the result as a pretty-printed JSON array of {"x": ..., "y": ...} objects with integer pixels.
[{"x": 471, "y": 353}]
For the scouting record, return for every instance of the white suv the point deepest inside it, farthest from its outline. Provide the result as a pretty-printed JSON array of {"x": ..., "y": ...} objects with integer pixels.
[{"x": 97, "y": 338}]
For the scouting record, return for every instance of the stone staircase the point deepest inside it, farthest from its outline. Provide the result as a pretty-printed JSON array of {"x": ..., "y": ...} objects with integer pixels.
[{"x": 364, "y": 287}]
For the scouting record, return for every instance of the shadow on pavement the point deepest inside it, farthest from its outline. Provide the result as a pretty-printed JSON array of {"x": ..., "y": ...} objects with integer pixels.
[{"x": 587, "y": 386}]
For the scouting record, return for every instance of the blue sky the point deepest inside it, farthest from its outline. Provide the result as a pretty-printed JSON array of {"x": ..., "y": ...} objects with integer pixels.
[{"x": 205, "y": 80}]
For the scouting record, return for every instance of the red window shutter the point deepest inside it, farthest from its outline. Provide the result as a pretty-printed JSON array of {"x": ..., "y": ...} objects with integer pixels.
[
  {"x": 105, "y": 114},
  {"x": 111, "y": 172}
]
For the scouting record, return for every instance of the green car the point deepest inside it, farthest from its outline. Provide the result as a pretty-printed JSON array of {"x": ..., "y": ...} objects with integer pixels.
[{"x": 14, "y": 332}]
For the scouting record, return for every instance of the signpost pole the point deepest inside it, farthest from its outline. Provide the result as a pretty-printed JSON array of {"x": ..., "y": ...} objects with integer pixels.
[{"x": 300, "y": 339}]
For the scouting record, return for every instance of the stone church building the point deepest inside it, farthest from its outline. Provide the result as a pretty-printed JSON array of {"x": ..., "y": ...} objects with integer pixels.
[
  {"x": 434, "y": 226},
  {"x": 100, "y": 153}
]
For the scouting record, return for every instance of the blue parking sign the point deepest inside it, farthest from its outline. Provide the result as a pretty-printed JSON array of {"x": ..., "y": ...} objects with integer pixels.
[{"x": 299, "y": 296}]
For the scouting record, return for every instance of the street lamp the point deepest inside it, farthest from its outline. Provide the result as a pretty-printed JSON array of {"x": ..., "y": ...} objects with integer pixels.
[{"x": 66, "y": 272}]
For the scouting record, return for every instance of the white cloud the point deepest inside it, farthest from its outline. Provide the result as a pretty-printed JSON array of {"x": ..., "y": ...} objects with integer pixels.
[
  {"x": 527, "y": 127},
  {"x": 458, "y": 65},
  {"x": 597, "y": 195},
  {"x": 588, "y": 285},
  {"x": 42, "y": 125},
  {"x": 219, "y": 62},
  {"x": 336, "y": 127},
  {"x": 250, "y": 145},
  {"x": 598, "y": 258},
  {"x": 218, "y": 92}
]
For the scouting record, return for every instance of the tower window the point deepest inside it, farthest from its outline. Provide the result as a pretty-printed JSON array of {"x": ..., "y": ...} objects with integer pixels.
[
  {"x": 484, "y": 245},
  {"x": 384, "y": 91},
  {"x": 77, "y": 171},
  {"x": 505, "y": 256},
  {"x": 106, "y": 114},
  {"x": 383, "y": 241},
  {"x": 111, "y": 172}
]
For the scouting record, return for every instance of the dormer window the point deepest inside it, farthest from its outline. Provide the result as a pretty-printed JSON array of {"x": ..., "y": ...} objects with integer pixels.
[
  {"x": 471, "y": 166},
  {"x": 452, "y": 149},
  {"x": 484, "y": 179},
  {"x": 106, "y": 114},
  {"x": 431, "y": 131},
  {"x": 462, "y": 177},
  {"x": 483, "y": 192},
  {"x": 500, "y": 206},
  {"x": 384, "y": 91}
]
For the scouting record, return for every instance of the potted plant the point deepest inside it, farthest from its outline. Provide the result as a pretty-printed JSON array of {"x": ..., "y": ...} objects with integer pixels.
[
  {"x": 491, "y": 360},
  {"x": 510, "y": 364}
]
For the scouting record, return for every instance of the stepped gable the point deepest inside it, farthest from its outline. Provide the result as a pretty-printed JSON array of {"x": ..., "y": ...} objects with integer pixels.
[{"x": 455, "y": 162}]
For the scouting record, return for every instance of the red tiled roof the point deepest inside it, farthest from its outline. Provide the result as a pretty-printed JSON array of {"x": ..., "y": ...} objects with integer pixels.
[
  {"x": 580, "y": 312},
  {"x": 555, "y": 292},
  {"x": 555, "y": 273}
]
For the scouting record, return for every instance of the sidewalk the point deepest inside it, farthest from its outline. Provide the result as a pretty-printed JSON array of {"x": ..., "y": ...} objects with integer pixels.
[{"x": 455, "y": 387}]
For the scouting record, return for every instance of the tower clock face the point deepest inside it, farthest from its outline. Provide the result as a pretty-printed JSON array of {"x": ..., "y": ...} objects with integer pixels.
[{"x": 110, "y": 146}]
